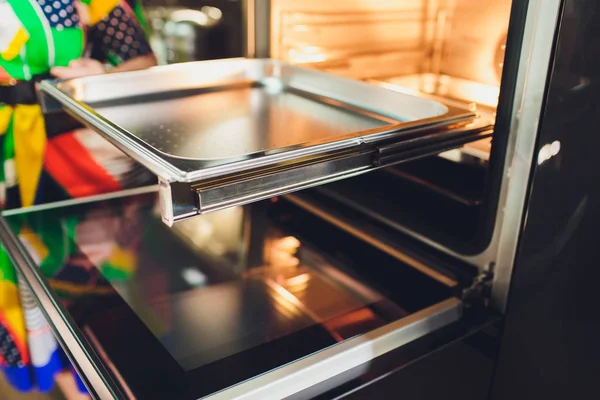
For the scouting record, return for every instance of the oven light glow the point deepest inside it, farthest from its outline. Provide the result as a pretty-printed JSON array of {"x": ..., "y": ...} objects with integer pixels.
[
  {"x": 193, "y": 277},
  {"x": 301, "y": 28},
  {"x": 311, "y": 50},
  {"x": 548, "y": 151},
  {"x": 480, "y": 93},
  {"x": 289, "y": 244},
  {"x": 444, "y": 85},
  {"x": 298, "y": 280},
  {"x": 285, "y": 294},
  {"x": 212, "y": 12},
  {"x": 272, "y": 85},
  {"x": 307, "y": 54},
  {"x": 195, "y": 16}
]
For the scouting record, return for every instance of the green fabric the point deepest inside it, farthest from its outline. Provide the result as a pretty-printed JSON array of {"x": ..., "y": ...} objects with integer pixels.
[
  {"x": 112, "y": 273},
  {"x": 68, "y": 42},
  {"x": 2, "y": 176},
  {"x": 57, "y": 234},
  {"x": 138, "y": 9},
  {"x": 60, "y": 241},
  {"x": 5, "y": 146},
  {"x": 36, "y": 55},
  {"x": 9, "y": 142},
  {"x": 71, "y": 45},
  {"x": 7, "y": 271},
  {"x": 8, "y": 148},
  {"x": 13, "y": 67},
  {"x": 113, "y": 60}
]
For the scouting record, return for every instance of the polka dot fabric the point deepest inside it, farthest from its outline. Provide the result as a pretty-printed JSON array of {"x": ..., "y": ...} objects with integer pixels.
[
  {"x": 60, "y": 13},
  {"x": 118, "y": 35},
  {"x": 8, "y": 350}
]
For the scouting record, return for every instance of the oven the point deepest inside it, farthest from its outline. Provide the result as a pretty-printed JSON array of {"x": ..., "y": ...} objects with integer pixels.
[{"x": 340, "y": 206}]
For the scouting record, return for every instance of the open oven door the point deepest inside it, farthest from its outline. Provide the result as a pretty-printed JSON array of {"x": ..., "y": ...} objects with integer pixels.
[
  {"x": 263, "y": 301},
  {"x": 231, "y": 132}
]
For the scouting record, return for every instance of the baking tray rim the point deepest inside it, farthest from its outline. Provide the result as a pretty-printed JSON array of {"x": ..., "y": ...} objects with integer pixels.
[{"x": 181, "y": 169}]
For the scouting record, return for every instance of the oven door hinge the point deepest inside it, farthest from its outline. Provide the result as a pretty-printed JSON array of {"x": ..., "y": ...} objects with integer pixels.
[{"x": 480, "y": 290}]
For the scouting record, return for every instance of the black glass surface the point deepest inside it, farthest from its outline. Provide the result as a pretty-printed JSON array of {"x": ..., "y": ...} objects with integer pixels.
[
  {"x": 550, "y": 347},
  {"x": 215, "y": 300}
]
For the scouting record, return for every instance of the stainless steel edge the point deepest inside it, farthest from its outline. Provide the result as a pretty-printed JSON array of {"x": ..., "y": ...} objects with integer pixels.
[
  {"x": 335, "y": 360},
  {"x": 260, "y": 187},
  {"x": 262, "y": 36},
  {"x": 183, "y": 200},
  {"x": 540, "y": 29},
  {"x": 256, "y": 13},
  {"x": 372, "y": 240},
  {"x": 112, "y": 133},
  {"x": 286, "y": 156},
  {"x": 89, "y": 366},
  {"x": 248, "y": 16},
  {"x": 84, "y": 200}
]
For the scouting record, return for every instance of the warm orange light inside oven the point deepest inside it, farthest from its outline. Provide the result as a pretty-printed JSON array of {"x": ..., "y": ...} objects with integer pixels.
[
  {"x": 306, "y": 54},
  {"x": 445, "y": 86},
  {"x": 281, "y": 252},
  {"x": 447, "y": 48}
]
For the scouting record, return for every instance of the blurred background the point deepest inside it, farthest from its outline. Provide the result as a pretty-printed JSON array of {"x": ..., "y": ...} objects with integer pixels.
[
  {"x": 178, "y": 31},
  {"x": 188, "y": 30}
]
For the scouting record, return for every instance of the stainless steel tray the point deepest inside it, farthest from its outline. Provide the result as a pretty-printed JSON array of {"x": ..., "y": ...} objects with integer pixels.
[{"x": 228, "y": 132}]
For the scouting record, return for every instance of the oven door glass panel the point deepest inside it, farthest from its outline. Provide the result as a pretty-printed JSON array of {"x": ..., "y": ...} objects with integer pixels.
[{"x": 230, "y": 297}]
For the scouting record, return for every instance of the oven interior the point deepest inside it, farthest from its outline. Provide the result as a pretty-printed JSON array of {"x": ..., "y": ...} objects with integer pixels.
[{"x": 451, "y": 50}]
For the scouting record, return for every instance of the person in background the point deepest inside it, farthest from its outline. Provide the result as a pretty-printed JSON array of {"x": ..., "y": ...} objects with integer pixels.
[
  {"x": 65, "y": 39},
  {"x": 49, "y": 157}
]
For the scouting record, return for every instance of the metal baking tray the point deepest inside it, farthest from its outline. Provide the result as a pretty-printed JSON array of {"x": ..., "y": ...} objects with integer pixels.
[{"x": 229, "y": 132}]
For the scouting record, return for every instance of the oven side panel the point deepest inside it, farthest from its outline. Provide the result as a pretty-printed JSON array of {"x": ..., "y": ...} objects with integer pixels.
[
  {"x": 550, "y": 347},
  {"x": 357, "y": 38}
]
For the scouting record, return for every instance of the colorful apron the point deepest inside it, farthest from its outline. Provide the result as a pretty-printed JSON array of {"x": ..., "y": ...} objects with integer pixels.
[{"x": 36, "y": 35}]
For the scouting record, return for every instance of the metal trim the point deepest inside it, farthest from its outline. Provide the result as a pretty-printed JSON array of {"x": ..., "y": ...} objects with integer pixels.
[
  {"x": 182, "y": 200},
  {"x": 264, "y": 185},
  {"x": 88, "y": 365},
  {"x": 248, "y": 13},
  {"x": 262, "y": 37},
  {"x": 536, "y": 54},
  {"x": 84, "y": 200},
  {"x": 111, "y": 132},
  {"x": 373, "y": 241},
  {"x": 257, "y": 13},
  {"x": 342, "y": 357}
]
